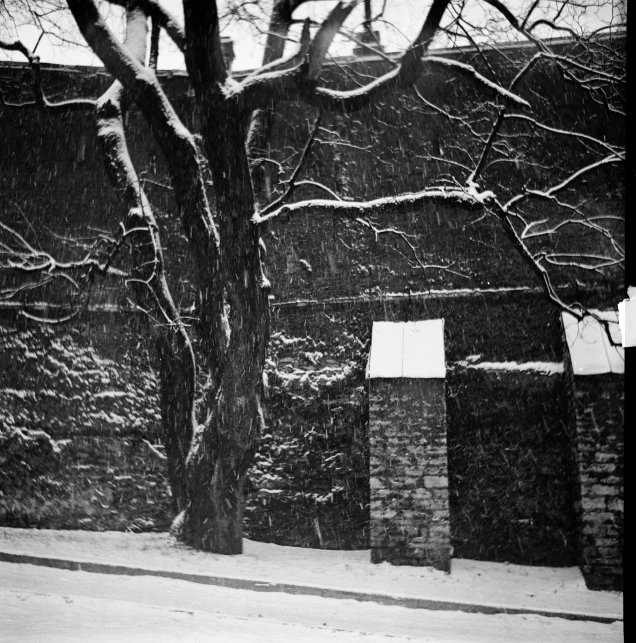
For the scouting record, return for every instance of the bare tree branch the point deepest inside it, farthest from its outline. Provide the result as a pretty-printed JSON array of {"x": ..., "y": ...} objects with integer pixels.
[
  {"x": 414, "y": 261},
  {"x": 41, "y": 101},
  {"x": 461, "y": 198},
  {"x": 176, "y": 141},
  {"x": 468, "y": 70},
  {"x": 534, "y": 262},
  {"x": 612, "y": 149},
  {"x": 322, "y": 40},
  {"x": 550, "y": 192},
  {"x": 161, "y": 17},
  {"x": 291, "y": 182},
  {"x": 203, "y": 52},
  {"x": 303, "y": 78}
]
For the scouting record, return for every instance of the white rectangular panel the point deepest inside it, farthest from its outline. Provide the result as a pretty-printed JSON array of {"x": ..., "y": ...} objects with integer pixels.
[
  {"x": 424, "y": 349},
  {"x": 386, "y": 349}
]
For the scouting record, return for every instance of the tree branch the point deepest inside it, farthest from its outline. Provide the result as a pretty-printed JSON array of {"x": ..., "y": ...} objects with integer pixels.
[
  {"x": 203, "y": 52},
  {"x": 160, "y": 16},
  {"x": 176, "y": 142},
  {"x": 457, "y": 197},
  {"x": 551, "y": 191},
  {"x": 302, "y": 79},
  {"x": 291, "y": 182},
  {"x": 79, "y": 104},
  {"x": 611, "y": 149},
  {"x": 323, "y": 39},
  {"x": 280, "y": 22},
  {"x": 579, "y": 312},
  {"x": 184, "y": 162},
  {"x": 469, "y": 71},
  {"x": 178, "y": 403}
]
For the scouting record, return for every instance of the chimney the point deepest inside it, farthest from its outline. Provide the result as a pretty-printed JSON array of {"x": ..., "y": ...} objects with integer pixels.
[
  {"x": 227, "y": 47},
  {"x": 369, "y": 38}
]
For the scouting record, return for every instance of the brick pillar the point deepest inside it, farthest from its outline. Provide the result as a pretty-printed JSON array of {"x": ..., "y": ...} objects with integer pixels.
[
  {"x": 596, "y": 373},
  {"x": 408, "y": 449},
  {"x": 600, "y": 439}
]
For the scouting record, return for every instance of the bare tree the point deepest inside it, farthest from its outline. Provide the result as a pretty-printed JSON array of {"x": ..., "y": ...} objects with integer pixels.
[{"x": 211, "y": 402}]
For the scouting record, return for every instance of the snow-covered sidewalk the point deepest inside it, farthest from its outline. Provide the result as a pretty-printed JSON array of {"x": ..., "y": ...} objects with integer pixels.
[{"x": 473, "y": 586}]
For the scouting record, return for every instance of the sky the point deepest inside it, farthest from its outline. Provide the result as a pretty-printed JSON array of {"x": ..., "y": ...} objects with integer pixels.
[
  {"x": 401, "y": 22},
  {"x": 405, "y": 16}
]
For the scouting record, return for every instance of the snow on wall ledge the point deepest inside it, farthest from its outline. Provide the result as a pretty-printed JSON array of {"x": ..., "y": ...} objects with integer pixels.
[
  {"x": 543, "y": 368},
  {"x": 407, "y": 349},
  {"x": 590, "y": 349}
]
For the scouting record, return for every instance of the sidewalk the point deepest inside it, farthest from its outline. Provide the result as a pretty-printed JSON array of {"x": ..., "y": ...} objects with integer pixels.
[{"x": 472, "y": 586}]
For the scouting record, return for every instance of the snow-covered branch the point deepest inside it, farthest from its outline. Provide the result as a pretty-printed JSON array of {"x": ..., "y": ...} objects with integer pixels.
[
  {"x": 40, "y": 100},
  {"x": 323, "y": 39},
  {"x": 161, "y": 17},
  {"x": 535, "y": 262},
  {"x": 78, "y": 276},
  {"x": 469, "y": 71},
  {"x": 177, "y": 143},
  {"x": 496, "y": 127},
  {"x": 16, "y": 253},
  {"x": 414, "y": 260},
  {"x": 580, "y": 260},
  {"x": 291, "y": 182},
  {"x": 611, "y": 149},
  {"x": 551, "y": 192},
  {"x": 302, "y": 79},
  {"x": 506, "y": 222},
  {"x": 457, "y": 197}
]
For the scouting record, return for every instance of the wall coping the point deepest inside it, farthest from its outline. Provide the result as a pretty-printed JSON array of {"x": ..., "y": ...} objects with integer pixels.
[
  {"x": 590, "y": 349},
  {"x": 407, "y": 350}
]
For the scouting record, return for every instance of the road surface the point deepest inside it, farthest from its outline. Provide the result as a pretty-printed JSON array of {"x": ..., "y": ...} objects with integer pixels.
[{"x": 44, "y": 605}]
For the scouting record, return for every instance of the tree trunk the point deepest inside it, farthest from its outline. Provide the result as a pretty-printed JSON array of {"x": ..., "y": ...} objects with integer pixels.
[
  {"x": 263, "y": 119},
  {"x": 213, "y": 520},
  {"x": 220, "y": 455},
  {"x": 229, "y": 413},
  {"x": 175, "y": 398}
]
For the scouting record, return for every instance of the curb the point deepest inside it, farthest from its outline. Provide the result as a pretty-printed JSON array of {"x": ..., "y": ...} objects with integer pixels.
[{"x": 292, "y": 588}]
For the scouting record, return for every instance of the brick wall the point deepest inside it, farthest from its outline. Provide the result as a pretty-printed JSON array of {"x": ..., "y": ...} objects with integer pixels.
[
  {"x": 599, "y": 403},
  {"x": 90, "y": 389},
  {"x": 330, "y": 420},
  {"x": 511, "y": 486},
  {"x": 309, "y": 485},
  {"x": 343, "y": 259}
]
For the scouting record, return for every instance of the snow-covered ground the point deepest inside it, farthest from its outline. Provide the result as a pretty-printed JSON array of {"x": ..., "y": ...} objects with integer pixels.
[
  {"x": 44, "y": 605},
  {"x": 547, "y": 589}
]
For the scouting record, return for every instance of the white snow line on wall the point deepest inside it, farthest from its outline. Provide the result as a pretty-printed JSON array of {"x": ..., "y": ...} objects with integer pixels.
[
  {"x": 111, "y": 394},
  {"x": 397, "y": 296},
  {"x": 545, "y": 368}
]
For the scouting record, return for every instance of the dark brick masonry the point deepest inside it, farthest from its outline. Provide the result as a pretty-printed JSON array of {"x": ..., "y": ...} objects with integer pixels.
[
  {"x": 599, "y": 403},
  {"x": 409, "y": 472}
]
